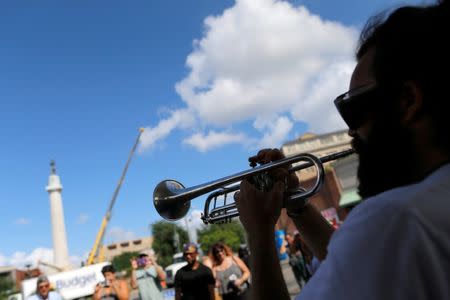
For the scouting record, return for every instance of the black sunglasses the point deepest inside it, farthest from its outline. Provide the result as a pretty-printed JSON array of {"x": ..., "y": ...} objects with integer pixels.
[{"x": 355, "y": 105}]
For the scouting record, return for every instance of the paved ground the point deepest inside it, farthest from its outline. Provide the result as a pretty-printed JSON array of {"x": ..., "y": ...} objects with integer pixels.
[{"x": 289, "y": 278}]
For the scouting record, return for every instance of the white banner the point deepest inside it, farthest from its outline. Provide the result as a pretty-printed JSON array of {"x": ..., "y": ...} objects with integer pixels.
[{"x": 70, "y": 284}]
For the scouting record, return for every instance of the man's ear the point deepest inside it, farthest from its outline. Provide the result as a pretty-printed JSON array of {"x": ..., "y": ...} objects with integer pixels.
[{"x": 411, "y": 102}]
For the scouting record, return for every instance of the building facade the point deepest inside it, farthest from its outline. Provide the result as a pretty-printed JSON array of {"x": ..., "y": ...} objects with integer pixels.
[
  {"x": 137, "y": 245},
  {"x": 15, "y": 276},
  {"x": 338, "y": 191}
]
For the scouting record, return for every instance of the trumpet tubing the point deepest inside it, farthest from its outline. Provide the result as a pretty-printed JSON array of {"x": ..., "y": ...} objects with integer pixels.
[{"x": 172, "y": 200}]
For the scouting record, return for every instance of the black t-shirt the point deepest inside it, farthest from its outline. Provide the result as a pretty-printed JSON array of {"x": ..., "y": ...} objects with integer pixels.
[{"x": 193, "y": 284}]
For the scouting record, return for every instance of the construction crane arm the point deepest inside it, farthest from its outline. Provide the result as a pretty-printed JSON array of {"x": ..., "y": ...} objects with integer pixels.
[{"x": 101, "y": 233}]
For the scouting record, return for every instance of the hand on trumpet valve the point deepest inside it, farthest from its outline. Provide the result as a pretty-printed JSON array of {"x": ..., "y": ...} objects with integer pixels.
[
  {"x": 261, "y": 197},
  {"x": 264, "y": 181},
  {"x": 259, "y": 210}
]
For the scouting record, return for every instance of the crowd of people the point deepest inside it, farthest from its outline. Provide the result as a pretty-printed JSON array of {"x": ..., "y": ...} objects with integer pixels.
[
  {"x": 219, "y": 275},
  {"x": 224, "y": 275}
]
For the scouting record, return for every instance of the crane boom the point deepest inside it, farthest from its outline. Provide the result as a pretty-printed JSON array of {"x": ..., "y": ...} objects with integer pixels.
[{"x": 100, "y": 234}]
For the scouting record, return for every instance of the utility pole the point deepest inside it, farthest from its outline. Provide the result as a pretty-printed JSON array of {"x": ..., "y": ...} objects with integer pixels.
[{"x": 176, "y": 239}]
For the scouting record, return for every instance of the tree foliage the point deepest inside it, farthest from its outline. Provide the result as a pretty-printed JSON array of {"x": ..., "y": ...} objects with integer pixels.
[
  {"x": 231, "y": 234},
  {"x": 6, "y": 287},
  {"x": 164, "y": 241},
  {"x": 122, "y": 261}
]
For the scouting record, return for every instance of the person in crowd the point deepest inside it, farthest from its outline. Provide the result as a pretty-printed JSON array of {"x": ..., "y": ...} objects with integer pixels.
[
  {"x": 396, "y": 243},
  {"x": 147, "y": 275},
  {"x": 111, "y": 288},
  {"x": 206, "y": 261},
  {"x": 43, "y": 290},
  {"x": 230, "y": 271},
  {"x": 307, "y": 256},
  {"x": 297, "y": 260},
  {"x": 194, "y": 281},
  {"x": 244, "y": 254},
  {"x": 294, "y": 259}
]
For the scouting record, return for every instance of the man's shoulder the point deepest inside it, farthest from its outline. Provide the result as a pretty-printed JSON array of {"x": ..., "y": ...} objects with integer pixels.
[
  {"x": 386, "y": 215},
  {"x": 201, "y": 269},
  {"x": 408, "y": 199},
  {"x": 184, "y": 269},
  {"x": 139, "y": 272},
  {"x": 204, "y": 268},
  {"x": 33, "y": 297},
  {"x": 54, "y": 296},
  {"x": 142, "y": 273}
]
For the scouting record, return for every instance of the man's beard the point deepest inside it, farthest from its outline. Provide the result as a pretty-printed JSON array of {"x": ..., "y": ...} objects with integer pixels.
[{"x": 385, "y": 158}]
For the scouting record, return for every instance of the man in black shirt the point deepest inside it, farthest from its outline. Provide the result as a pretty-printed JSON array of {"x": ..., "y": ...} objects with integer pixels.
[{"x": 194, "y": 281}]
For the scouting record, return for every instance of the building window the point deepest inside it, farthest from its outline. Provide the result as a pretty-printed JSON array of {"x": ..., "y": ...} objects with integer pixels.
[
  {"x": 124, "y": 245},
  {"x": 112, "y": 247},
  {"x": 137, "y": 242}
]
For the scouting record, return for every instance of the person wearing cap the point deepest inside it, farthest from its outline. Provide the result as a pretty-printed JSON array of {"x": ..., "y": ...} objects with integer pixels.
[
  {"x": 194, "y": 281},
  {"x": 43, "y": 290},
  {"x": 146, "y": 275}
]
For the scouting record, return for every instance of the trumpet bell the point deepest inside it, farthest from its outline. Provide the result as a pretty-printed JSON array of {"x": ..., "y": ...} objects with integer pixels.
[{"x": 169, "y": 207}]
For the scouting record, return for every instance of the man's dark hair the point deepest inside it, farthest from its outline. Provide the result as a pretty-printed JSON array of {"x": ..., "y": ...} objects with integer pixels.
[
  {"x": 411, "y": 44},
  {"x": 108, "y": 268}
]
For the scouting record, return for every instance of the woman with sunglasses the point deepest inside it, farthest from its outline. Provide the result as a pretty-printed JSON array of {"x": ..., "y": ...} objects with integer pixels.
[{"x": 230, "y": 271}]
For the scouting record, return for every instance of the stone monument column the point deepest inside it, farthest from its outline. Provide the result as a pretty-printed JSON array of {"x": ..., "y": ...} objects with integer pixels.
[{"x": 54, "y": 188}]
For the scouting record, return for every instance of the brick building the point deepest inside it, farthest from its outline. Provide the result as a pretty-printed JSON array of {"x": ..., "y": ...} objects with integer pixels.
[
  {"x": 16, "y": 276},
  {"x": 137, "y": 245},
  {"x": 338, "y": 192}
]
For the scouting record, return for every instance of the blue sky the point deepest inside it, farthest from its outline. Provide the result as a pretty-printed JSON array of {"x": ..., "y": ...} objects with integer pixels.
[{"x": 212, "y": 81}]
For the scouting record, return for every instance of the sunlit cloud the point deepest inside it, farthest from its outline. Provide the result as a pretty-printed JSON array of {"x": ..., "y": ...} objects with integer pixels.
[
  {"x": 22, "y": 259},
  {"x": 260, "y": 62},
  {"x": 213, "y": 139}
]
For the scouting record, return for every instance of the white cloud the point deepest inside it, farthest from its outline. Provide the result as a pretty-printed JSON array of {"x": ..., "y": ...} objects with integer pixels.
[
  {"x": 39, "y": 254},
  {"x": 316, "y": 109},
  {"x": 275, "y": 132},
  {"x": 262, "y": 60},
  {"x": 3, "y": 260},
  {"x": 117, "y": 234},
  {"x": 213, "y": 139},
  {"x": 21, "y": 259},
  {"x": 22, "y": 221},
  {"x": 177, "y": 119},
  {"x": 83, "y": 218}
]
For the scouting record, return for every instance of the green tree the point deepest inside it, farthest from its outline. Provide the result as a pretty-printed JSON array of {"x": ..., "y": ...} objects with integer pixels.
[
  {"x": 6, "y": 287},
  {"x": 231, "y": 234},
  {"x": 165, "y": 244},
  {"x": 122, "y": 261}
]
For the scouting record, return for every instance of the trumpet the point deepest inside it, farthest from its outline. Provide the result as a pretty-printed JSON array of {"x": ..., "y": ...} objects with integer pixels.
[{"x": 172, "y": 200}]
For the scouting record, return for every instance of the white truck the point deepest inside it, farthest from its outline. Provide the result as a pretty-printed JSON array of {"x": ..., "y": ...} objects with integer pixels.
[
  {"x": 171, "y": 270},
  {"x": 71, "y": 284}
]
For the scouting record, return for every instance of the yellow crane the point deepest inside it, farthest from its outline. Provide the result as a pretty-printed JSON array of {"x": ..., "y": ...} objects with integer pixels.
[{"x": 96, "y": 255}]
